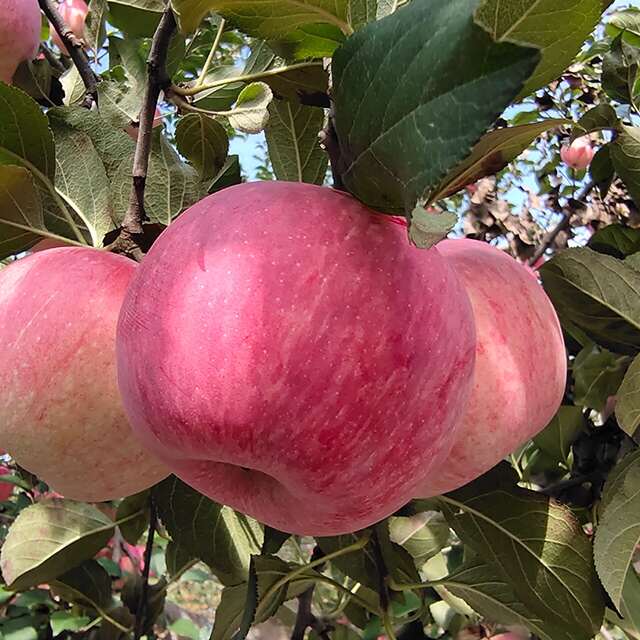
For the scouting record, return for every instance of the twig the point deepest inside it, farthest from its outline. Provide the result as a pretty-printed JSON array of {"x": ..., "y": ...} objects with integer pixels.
[
  {"x": 304, "y": 617},
  {"x": 144, "y": 594},
  {"x": 563, "y": 224},
  {"x": 157, "y": 80},
  {"x": 75, "y": 47},
  {"x": 51, "y": 58}
]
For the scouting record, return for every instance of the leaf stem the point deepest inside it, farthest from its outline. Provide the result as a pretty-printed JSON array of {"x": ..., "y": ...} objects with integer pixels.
[
  {"x": 249, "y": 77},
  {"x": 212, "y": 53}
]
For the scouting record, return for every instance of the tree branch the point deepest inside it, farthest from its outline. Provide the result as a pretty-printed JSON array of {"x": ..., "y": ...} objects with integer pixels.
[
  {"x": 157, "y": 80},
  {"x": 563, "y": 224},
  {"x": 75, "y": 47},
  {"x": 144, "y": 594}
]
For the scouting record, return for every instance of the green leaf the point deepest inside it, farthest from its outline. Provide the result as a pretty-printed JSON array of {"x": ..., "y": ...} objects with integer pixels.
[
  {"x": 95, "y": 25},
  {"x": 81, "y": 179},
  {"x": 136, "y": 18},
  {"x": 630, "y": 605},
  {"x": 408, "y": 110},
  {"x": 427, "y": 228},
  {"x": 20, "y": 210},
  {"x": 598, "y": 294},
  {"x": 557, "y": 27},
  {"x": 628, "y": 404},
  {"x": 422, "y": 535},
  {"x": 491, "y": 154},
  {"x": 537, "y": 545},
  {"x": 87, "y": 584},
  {"x": 602, "y": 170},
  {"x": 250, "y": 113},
  {"x": 561, "y": 433},
  {"x": 601, "y": 117},
  {"x": 487, "y": 592},
  {"x": 620, "y": 68},
  {"x": 618, "y": 530},
  {"x": 228, "y": 176},
  {"x": 217, "y": 535},
  {"x": 273, "y": 540},
  {"x": 597, "y": 374},
  {"x": 616, "y": 240},
  {"x": 136, "y": 505},
  {"x": 292, "y": 139},
  {"x": 625, "y": 154},
  {"x": 48, "y": 538},
  {"x": 25, "y": 137},
  {"x": 67, "y": 621},
  {"x": 204, "y": 142},
  {"x": 398, "y": 562},
  {"x": 313, "y": 28},
  {"x": 177, "y": 558}
]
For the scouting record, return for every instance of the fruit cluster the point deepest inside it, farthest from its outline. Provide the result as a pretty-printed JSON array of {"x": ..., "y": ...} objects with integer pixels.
[{"x": 283, "y": 350}]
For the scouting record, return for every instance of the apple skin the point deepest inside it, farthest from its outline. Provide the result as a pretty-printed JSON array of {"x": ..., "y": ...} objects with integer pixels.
[
  {"x": 521, "y": 363},
  {"x": 19, "y": 35},
  {"x": 74, "y": 13},
  {"x": 61, "y": 417},
  {"x": 285, "y": 351}
]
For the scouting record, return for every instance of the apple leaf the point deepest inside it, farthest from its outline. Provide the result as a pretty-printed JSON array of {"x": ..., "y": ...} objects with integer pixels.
[
  {"x": 618, "y": 530},
  {"x": 250, "y": 113},
  {"x": 597, "y": 375},
  {"x": 309, "y": 29},
  {"x": 598, "y": 294},
  {"x": 413, "y": 93},
  {"x": 25, "y": 137},
  {"x": 491, "y": 154},
  {"x": 20, "y": 210},
  {"x": 561, "y": 433},
  {"x": 87, "y": 584},
  {"x": 228, "y": 176},
  {"x": 49, "y": 537},
  {"x": 628, "y": 404},
  {"x": 204, "y": 142},
  {"x": 557, "y": 27},
  {"x": 217, "y": 535},
  {"x": 83, "y": 183},
  {"x": 487, "y": 592},
  {"x": 616, "y": 240},
  {"x": 625, "y": 154},
  {"x": 136, "y": 18},
  {"x": 66, "y": 621},
  {"x": 537, "y": 545},
  {"x": 422, "y": 535},
  {"x": 133, "y": 516},
  {"x": 177, "y": 558},
  {"x": 292, "y": 139}
]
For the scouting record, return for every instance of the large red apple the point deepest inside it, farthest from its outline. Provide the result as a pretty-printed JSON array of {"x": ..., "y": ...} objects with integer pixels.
[
  {"x": 60, "y": 412},
  {"x": 521, "y": 365},
  {"x": 19, "y": 34},
  {"x": 287, "y": 352}
]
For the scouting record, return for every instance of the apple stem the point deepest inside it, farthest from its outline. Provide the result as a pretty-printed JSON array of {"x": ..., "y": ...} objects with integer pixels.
[
  {"x": 142, "y": 604},
  {"x": 76, "y": 50}
]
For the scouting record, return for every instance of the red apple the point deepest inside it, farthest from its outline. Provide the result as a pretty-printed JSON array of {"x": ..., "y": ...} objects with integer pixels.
[
  {"x": 521, "y": 364},
  {"x": 579, "y": 154},
  {"x": 19, "y": 35},
  {"x": 287, "y": 352},
  {"x": 60, "y": 412},
  {"x": 6, "y": 489},
  {"x": 74, "y": 13}
]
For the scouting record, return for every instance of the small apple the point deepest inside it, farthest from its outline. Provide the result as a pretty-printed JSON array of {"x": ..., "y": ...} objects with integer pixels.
[
  {"x": 287, "y": 352},
  {"x": 74, "y": 13},
  {"x": 579, "y": 154},
  {"x": 19, "y": 35},
  {"x": 61, "y": 416},
  {"x": 521, "y": 363}
]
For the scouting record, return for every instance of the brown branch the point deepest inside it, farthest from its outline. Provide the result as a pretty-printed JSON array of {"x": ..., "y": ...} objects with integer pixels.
[
  {"x": 562, "y": 225},
  {"x": 144, "y": 594},
  {"x": 75, "y": 47},
  {"x": 129, "y": 241}
]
